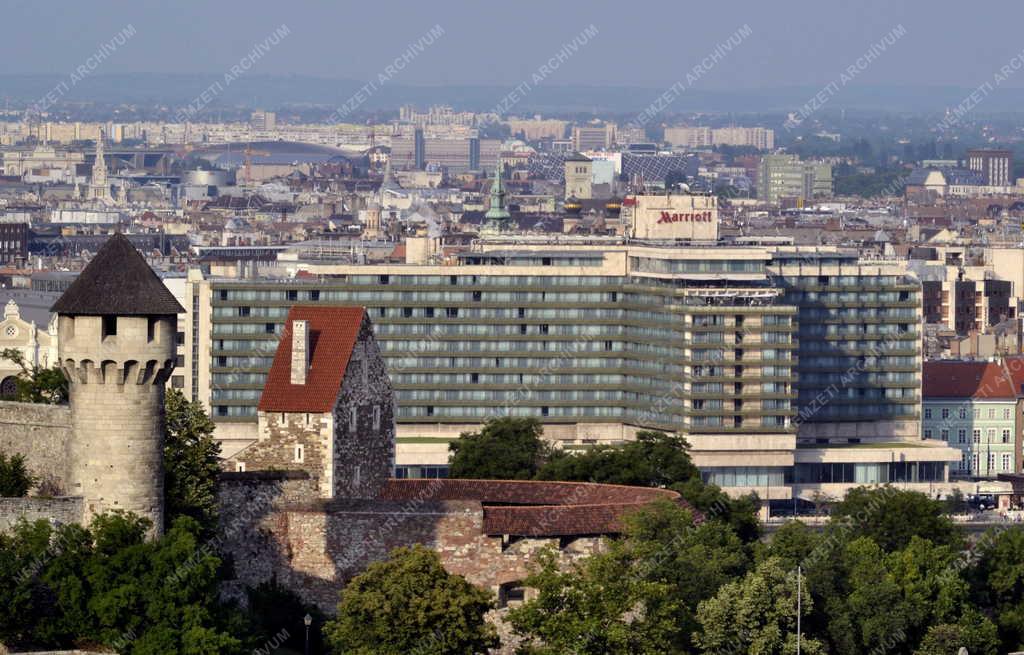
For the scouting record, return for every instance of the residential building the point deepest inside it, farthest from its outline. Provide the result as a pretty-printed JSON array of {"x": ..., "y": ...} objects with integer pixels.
[
  {"x": 689, "y": 137},
  {"x": 972, "y": 406},
  {"x": 761, "y": 138},
  {"x": 537, "y": 129},
  {"x": 263, "y": 120},
  {"x": 13, "y": 243},
  {"x": 589, "y": 137},
  {"x": 967, "y": 305},
  {"x": 786, "y": 176},
  {"x": 995, "y": 166}
]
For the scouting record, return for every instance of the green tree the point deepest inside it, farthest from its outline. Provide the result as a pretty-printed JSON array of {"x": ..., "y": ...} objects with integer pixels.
[
  {"x": 891, "y": 517},
  {"x": 694, "y": 559},
  {"x": 409, "y": 603},
  {"x": 973, "y": 631},
  {"x": 504, "y": 449},
  {"x": 709, "y": 499},
  {"x": 109, "y": 586},
  {"x": 869, "y": 596},
  {"x": 191, "y": 462},
  {"x": 998, "y": 582},
  {"x": 15, "y": 478},
  {"x": 756, "y": 615},
  {"x": 655, "y": 459},
  {"x": 599, "y": 606},
  {"x": 36, "y": 384},
  {"x": 639, "y": 596},
  {"x": 792, "y": 543}
]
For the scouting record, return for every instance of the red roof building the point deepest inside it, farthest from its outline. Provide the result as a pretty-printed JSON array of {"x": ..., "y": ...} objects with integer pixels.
[
  {"x": 976, "y": 380},
  {"x": 332, "y": 335},
  {"x": 327, "y": 407}
]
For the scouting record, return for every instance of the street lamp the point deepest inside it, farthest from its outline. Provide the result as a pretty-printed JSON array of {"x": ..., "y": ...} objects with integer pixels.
[{"x": 308, "y": 620}]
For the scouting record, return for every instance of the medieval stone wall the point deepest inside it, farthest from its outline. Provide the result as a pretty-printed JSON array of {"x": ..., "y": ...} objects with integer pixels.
[
  {"x": 62, "y": 510},
  {"x": 42, "y": 433},
  {"x": 314, "y": 548}
]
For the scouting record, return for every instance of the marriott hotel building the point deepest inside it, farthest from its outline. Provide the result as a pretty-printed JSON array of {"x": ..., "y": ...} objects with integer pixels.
[{"x": 789, "y": 371}]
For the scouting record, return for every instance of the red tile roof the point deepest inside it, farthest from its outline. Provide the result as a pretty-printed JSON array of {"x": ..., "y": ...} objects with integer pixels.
[
  {"x": 1014, "y": 367},
  {"x": 333, "y": 332},
  {"x": 980, "y": 380},
  {"x": 538, "y": 509}
]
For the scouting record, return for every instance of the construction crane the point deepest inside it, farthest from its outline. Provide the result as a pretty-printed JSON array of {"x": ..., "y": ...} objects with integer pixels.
[{"x": 247, "y": 162}]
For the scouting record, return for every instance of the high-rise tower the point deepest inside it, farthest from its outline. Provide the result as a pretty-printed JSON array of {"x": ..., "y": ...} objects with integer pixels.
[{"x": 116, "y": 343}]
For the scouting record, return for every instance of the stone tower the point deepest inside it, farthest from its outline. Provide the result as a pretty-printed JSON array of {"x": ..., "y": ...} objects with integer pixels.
[{"x": 116, "y": 343}]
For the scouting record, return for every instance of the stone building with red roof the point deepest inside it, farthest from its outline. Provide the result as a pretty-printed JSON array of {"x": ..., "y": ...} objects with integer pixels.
[{"x": 327, "y": 407}]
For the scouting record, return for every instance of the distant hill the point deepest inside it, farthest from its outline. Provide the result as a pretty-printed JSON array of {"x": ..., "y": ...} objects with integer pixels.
[{"x": 281, "y": 90}]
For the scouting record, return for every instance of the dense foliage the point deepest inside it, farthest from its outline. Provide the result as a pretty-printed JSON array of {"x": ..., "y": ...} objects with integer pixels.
[
  {"x": 655, "y": 459},
  {"x": 888, "y": 574},
  {"x": 191, "y": 462},
  {"x": 503, "y": 449},
  {"x": 36, "y": 384},
  {"x": 410, "y": 604},
  {"x": 15, "y": 478},
  {"x": 107, "y": 585}
]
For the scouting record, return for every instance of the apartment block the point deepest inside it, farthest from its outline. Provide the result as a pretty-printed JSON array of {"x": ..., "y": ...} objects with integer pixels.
[{"x": 786, "y": 176}]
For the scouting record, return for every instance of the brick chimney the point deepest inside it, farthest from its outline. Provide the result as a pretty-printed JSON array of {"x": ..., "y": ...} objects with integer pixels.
[{"x": 300, "y": 351}]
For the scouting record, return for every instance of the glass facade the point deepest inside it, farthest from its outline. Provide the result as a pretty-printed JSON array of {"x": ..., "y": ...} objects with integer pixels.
[
  {"x": 859, "y": 353},
  {"x": 688, "y": 354}
]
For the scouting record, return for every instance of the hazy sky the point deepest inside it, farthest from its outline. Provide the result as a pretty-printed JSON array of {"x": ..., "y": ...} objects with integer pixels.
[{"x": 639, "y": 42}]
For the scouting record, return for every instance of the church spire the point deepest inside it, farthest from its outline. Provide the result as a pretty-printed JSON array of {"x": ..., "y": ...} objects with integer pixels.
[
  {"x": 497, "y": 211},
  {"x": 98, "y": 188}
]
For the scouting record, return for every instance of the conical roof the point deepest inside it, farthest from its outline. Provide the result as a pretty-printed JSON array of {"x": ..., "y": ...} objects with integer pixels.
[{"x": 117, "y": 282}]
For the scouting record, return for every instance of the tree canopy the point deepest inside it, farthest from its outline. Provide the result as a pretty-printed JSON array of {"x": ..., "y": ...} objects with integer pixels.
[
  {"x": 891, "y": 517},
  {"x": 756, "y": 615},
  {"x": 107, "y": 585},
  {"x": 655, "y": 459},
  {"x": 191, "y": 462},
  {"x": 409, "y": 604},
  {"x": 504, "y": 449}
]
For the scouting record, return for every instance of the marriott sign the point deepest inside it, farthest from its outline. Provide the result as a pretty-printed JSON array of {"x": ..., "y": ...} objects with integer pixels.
[
  {"x": 691, "y": 217},
  {"x": 702, "y": 217}
]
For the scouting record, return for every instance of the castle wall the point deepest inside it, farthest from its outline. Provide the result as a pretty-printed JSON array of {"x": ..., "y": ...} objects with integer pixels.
[
  {"x": 42, "y": 433},
  {"x": 314, "y": 548},
  {"x": 62, "y": 510}
]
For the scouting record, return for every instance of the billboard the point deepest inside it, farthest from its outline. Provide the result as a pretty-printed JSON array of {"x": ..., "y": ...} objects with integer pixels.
[{"x": 675, "y": 216}]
